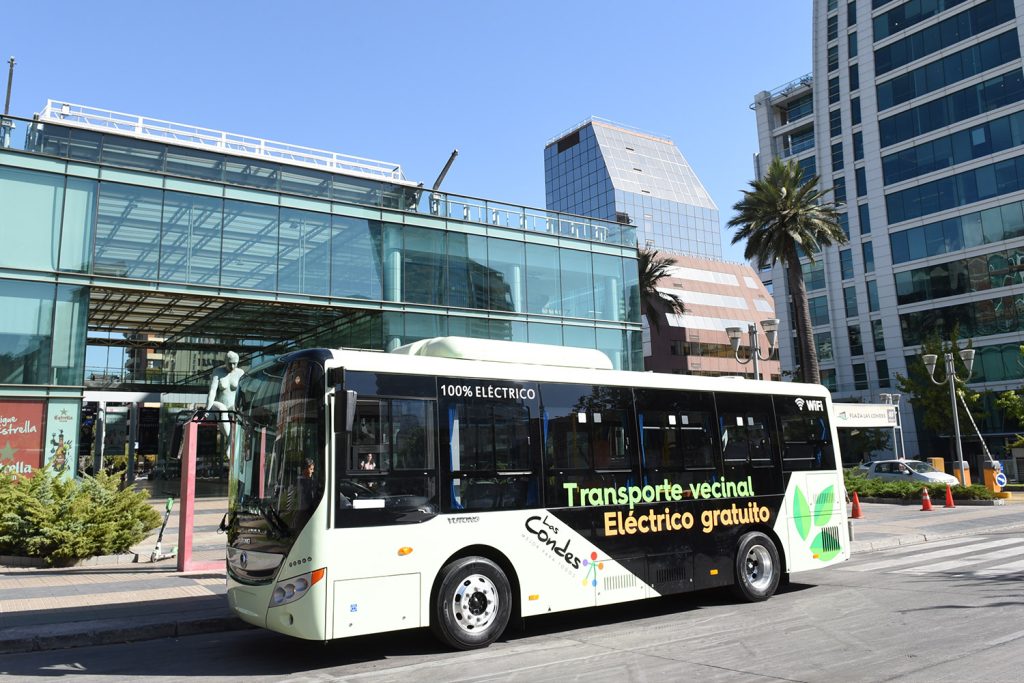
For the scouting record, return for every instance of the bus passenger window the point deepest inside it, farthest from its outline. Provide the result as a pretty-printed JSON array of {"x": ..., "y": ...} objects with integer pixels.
[
  {"x": 806, "y": 443},
  {"x": 491, "y": 454}
]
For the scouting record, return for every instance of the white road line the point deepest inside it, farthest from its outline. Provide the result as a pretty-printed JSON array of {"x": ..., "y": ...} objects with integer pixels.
[
  {"x": 1001, "y": 569},
  {"x": 964, "y": 546},
  {"x": 960, "y": 562}
]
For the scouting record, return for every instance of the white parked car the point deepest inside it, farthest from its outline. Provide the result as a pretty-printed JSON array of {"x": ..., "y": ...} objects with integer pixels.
[{"x": 908, "y": 470}]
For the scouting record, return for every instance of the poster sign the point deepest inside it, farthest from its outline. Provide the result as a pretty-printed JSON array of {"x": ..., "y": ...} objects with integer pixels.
[
  {"x": 864, "y": 415},
  {"x": 21, "y": 436},
  {"x": 62, "y": 436}
]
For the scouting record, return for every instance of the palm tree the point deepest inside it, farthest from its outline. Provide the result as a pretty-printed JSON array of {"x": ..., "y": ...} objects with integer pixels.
[
  {"x": 653, "y": 267},
  {"x": 783, "y": 217}
]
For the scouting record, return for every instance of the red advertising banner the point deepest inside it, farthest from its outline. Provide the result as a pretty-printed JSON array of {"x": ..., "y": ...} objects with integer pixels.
[{"x": 21, "y": 436}]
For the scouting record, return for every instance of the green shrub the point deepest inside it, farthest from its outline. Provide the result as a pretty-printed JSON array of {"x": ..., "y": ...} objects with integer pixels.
[
  {"x": 879, "y": 488},
  {"x": 62, "y": 520}
]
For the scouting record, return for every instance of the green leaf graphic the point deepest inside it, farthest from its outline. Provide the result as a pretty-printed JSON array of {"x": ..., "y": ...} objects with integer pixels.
[
  {"x": 823, "y": 506},
  {"x": 801, "y": 514},
  {"x": 825, "y": 545}
]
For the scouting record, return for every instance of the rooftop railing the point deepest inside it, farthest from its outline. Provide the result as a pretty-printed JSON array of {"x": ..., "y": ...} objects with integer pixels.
[
  {"x": 40, "y": 137},
  {"x": 148, "y": 128}
]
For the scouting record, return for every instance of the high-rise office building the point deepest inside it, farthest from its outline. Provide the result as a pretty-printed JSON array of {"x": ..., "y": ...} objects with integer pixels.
[
  {"x": 617, "y": 173},
  {"x": 914, "y": 113}
]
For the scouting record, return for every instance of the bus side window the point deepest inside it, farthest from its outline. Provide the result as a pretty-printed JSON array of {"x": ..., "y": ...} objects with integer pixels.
[
  {"x": 492, "y": 465},
  {"x": 806, "y": 437},
  {"x": 589, "y": 438}
]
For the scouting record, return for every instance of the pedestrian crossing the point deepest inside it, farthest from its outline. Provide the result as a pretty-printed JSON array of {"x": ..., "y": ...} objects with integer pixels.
[{"x": 987, "y": 557}]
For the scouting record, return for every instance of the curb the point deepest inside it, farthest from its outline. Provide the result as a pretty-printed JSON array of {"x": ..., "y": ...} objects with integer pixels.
[
  {"x": 999, "y": 502},
  {"x": 110, "y": 632}
]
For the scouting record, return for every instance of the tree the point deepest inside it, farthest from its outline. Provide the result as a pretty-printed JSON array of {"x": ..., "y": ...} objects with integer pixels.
[
  {"x": 931, "y": 402},
  {"x": 1012, "y": 404},
  {"x": 783, "y": 217},
  {"x": 653, "y": 302}
]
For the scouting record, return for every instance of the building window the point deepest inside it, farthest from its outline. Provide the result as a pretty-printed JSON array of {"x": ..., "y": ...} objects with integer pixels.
[
  {"x": 837, "y": 156},
  {"x": 883, "y": 373},
  {"x": 833, "y": 90},
  {"x": 823, "y": 343},
  {"x": 851, "y": 46},
  {"x": 854, "y": 77},
  {"x": 833, "y": 58},
  {"x": 976, "y": 99},
  {"x": 832, "y": 27},
  {"x": 828, "y": 379},
  {"x": 814, "y": 275},
  {"x": 835, "y": 122},
  {"x": 872, "y": 296},
  {"x": 864, "y": 217},
  {"x": 953, "y": 234},
  {"x": 951, "y": 69},
  {"x": 877, "y": 335},
  {"x": 844, "y": 224},
  {"x": 860, "y": 376},
  {"x": 853, "y": 334},
  {"x": 851, "y": 14},
  {"x": 858, "y": 146},
  {"x": 868, "y": 252},
  {"x": 839, "y": 189},
  {"x": 860, "y": 181},
  {"x": 819, "y": 310},
  {"x": 855, "y": 111},
  {"x": 978, "y": 184},
  {"x": 846, "y": 263},
  {"x": 850, "y": 301}
]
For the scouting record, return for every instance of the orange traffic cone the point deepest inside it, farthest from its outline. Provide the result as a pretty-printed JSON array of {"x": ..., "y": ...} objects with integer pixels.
[
  {"x": 926, "y": 501},
  {"x": 855, "y": 513},
  {"x": 949, "y": 497}
]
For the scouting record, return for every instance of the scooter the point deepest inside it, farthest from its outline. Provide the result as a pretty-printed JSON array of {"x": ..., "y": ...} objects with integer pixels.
[{"x": 157, "y": 553}]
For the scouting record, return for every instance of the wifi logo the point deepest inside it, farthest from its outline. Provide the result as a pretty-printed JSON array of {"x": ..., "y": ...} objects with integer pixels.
[{"x": 800, "y": 403}]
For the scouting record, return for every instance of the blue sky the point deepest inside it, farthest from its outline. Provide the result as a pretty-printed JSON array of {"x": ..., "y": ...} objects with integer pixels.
[{"x": 408, "y": 82}]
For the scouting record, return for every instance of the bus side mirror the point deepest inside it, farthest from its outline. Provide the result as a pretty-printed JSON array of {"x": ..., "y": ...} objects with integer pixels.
[{"x": 345, "y": 409}]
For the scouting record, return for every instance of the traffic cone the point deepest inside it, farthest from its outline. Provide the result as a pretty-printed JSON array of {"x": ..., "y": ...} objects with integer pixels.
[
  {"x": 926, "y": 501},
  {"x": 949, "y": 497},
  {"x": 855, "y": 512}
]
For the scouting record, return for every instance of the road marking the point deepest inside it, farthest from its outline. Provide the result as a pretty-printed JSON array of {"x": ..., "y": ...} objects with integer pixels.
[
  {"x": 912, "y": 558},
  {"x": 1001, "y": 569},
  {"x": 953, "y": 564}
]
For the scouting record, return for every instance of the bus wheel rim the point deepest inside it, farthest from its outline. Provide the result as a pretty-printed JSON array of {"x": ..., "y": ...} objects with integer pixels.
[
  {"x": 758, "y": 568},
  {"x": 475, "y": 603}
]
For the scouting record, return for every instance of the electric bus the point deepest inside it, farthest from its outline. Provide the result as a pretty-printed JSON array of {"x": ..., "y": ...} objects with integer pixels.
[{"x": 458, "y": 483}]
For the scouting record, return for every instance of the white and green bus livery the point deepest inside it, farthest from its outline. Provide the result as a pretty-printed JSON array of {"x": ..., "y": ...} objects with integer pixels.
[{"x": 459, "y": 483}]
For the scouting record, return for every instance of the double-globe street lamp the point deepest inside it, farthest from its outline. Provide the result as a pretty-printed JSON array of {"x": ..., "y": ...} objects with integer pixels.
[
  {"x": 771, "y": 330},
  {"x": 967, "y": 356}
]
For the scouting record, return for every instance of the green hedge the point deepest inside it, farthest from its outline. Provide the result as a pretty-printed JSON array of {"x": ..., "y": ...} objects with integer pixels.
[
  {"x": 61, "y": 520},
  {"x": 879, "y": 488}
]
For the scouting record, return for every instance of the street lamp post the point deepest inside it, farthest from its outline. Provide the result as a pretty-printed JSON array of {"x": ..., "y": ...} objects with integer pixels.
[
  {"x": 967, "y": 356},
  {"x": 771, "y": 330}
]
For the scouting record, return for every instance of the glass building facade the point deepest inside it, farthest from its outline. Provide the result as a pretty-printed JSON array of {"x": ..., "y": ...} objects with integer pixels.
[
  {"x": 937, "y": 228},
  {"x": 615, "y": 173},
  {"x": 120, "y": 233}
]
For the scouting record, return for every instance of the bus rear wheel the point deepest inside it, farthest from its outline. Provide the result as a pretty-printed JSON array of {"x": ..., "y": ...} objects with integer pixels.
[
  {"x": 757, "y": 567},
  {"x": 472, "y": 605}
]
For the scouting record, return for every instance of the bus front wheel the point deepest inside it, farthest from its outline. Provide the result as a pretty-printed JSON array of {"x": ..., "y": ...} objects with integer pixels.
[
  {"x": 757, "y": 567},
  {"x": 472, "y": 605}
]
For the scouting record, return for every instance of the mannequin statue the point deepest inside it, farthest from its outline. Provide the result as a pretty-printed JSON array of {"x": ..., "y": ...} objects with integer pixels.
[{"x": 223, "y": 387}]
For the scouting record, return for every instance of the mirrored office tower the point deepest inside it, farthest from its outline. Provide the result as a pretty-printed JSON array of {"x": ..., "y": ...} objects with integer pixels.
[{"x": 614, "y": 172}]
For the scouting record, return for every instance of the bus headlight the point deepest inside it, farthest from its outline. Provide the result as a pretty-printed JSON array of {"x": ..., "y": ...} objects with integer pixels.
[{"x": 290, "y": 590}]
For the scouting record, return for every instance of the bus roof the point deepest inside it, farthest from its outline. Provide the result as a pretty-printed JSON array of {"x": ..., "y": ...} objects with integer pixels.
[
  {"x": 408, "y": 362},
  {"x": 497, "y": 351}
]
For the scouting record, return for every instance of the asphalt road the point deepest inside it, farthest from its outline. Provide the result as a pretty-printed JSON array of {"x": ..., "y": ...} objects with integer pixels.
[{"x": 948, "y": 610}]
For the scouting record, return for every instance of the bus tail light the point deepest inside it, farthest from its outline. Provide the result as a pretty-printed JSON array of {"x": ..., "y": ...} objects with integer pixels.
[{"x": 290, "y": 590}]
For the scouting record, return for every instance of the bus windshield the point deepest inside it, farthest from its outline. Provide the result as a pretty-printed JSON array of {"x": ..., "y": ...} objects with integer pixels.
[{"x": 277, "y": 472}]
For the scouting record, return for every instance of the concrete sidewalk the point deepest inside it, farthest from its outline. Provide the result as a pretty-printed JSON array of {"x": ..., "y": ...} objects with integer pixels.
[{"x": 43, "y": 609}]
